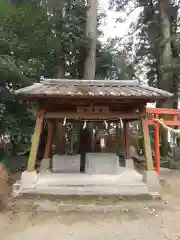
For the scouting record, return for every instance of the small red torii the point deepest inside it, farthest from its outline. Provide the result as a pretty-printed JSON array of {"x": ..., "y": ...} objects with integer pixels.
[{"x": 155, "y": 112}]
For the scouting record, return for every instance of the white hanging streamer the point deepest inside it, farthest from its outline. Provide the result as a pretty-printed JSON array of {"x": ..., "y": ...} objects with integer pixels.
[
  {"x": 64, "y": 122},
  {"x": 106, "y": 124},
  {"x": 85, "y": 124},
  {"x": 121, "y": 123}
]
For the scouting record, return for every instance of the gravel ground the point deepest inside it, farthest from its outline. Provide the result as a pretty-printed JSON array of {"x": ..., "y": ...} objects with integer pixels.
[{"x": 133, "y": 220}]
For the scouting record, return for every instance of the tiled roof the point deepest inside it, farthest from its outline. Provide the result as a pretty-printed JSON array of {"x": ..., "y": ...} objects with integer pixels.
[{"x": 92, "y": 88}]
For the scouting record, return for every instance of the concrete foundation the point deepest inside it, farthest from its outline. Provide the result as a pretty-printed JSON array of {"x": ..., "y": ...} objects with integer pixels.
[
  {"x": 129, "y": 163},
  {"x": 103, "y": 177},
  {"x": 152, "y": 180},
  {"x": 126, "y": 184},
  {"x": 44, "y": 164},
  {"x": 28, "y": 180}
]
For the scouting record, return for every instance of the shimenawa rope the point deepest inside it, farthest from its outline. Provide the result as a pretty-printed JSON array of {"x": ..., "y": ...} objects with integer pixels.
[{"x": 172, "y": 130}]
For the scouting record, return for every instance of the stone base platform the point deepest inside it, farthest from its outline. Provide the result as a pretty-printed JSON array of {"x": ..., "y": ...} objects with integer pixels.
[{"x": 128, "y": 183}]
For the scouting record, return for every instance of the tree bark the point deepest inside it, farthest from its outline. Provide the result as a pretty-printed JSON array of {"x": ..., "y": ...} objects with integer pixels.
[
  {"x": 165, "y": 75},
  {"x": 61, "y": 68},
  {"x": 90, "y": 63},
  {"x": 55, "y": 7},
  {"x": 165, "y": 81},
  {"x": 91, "y": 31}
]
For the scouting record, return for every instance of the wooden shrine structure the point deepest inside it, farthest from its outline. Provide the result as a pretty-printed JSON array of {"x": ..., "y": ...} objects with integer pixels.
[{"x": 90, "y": 100}]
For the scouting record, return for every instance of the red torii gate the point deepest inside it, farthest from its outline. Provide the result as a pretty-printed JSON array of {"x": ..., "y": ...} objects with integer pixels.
[{"x": 155, "y": 112}]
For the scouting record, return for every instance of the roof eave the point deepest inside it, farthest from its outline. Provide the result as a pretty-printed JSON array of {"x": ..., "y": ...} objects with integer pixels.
[{"x": 43, "y": 96}]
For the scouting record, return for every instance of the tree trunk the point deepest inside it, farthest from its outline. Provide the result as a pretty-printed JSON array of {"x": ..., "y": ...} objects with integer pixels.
[
  {"x": 175, "y": 54},
  {"x": 90, "y": 63},
  {"x": 61, "y": 68},
  {"x": 165, "y": 76},
  {"x": 91, "y": 31},
  {"x": 165, "y": 81},
  {"x": 55, "y": 7}
]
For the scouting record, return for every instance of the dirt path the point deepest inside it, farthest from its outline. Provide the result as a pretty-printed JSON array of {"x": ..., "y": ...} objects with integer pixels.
[{"x": 134, "y": 220}]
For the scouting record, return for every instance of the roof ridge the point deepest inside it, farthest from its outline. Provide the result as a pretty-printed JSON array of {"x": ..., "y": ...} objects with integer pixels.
[{"x": 90, "y": 82}]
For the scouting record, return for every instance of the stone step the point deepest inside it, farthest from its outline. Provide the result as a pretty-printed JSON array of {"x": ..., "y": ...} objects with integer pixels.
[
  {"x": 89, "y": 190},
  {"x": 71, "y": 194},
  {"x": 128, "y": 176}
]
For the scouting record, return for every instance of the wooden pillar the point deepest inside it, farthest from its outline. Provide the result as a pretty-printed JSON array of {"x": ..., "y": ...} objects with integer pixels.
[
  {"x": 49, "y": 139},
  {"x": 147, "y": 144},
  {"x": 157, "y": 144},
  {"x": 126, "y": 137},
  {"x": 35, "y": 142}
]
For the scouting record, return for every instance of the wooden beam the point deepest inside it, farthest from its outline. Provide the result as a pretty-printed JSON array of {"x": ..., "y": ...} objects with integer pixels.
[
  {"x": 157, "y": 146},
  {"x": 35, "y": 142},
  {"x": 167, "y": 122},
  {"x": 61, "y": 105},
  {"x": 147, "y": 144},
  {"x": 95, "y": 116},
  {"x": 91, "y": 101},
  {"x": 161, "y": 111},
  {"x": 49, "y": 139}
]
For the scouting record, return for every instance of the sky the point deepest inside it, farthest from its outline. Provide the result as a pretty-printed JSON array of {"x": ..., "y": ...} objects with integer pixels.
[{"x": 113, "y": 29}]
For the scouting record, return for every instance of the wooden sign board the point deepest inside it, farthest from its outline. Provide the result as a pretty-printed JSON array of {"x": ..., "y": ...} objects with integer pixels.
[{"x": 93, "y": 109}]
